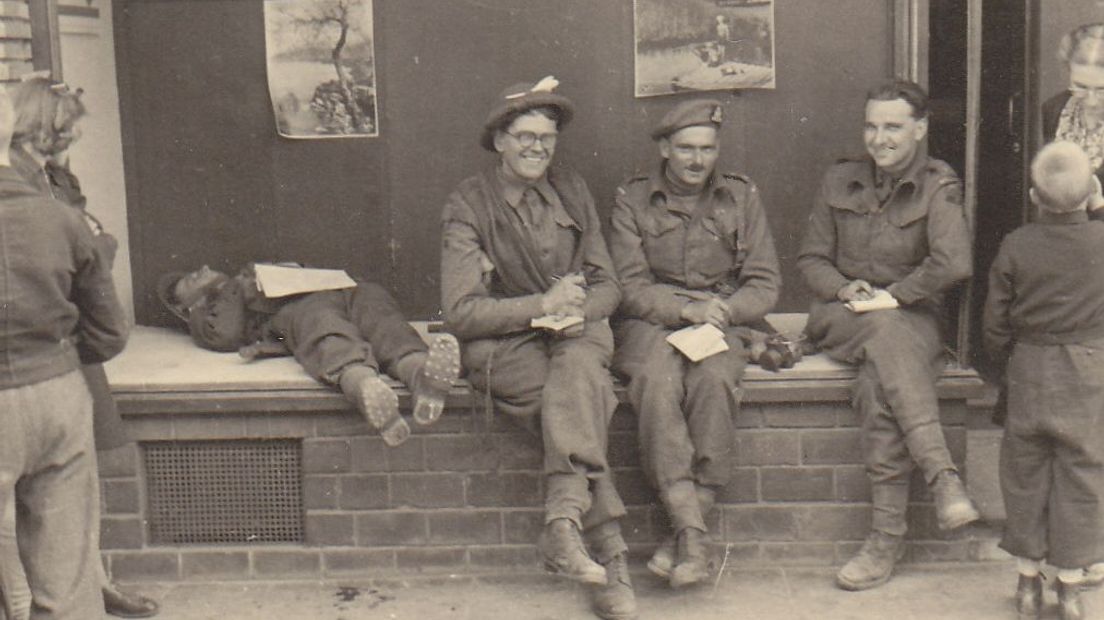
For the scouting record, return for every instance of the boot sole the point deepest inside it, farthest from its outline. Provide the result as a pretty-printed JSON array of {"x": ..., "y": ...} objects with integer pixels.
[
  {"x": 586, "y": 578},
  {"x": 659, "y": 570},
  {"x": 858, "y": 587},
  {"x": 965, "y": 518}
]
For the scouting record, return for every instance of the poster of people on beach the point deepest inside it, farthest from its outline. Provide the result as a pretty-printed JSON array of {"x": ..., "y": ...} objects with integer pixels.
[
  {"x": 695, "y": 45},
  {"x": 321, "y": 67}
]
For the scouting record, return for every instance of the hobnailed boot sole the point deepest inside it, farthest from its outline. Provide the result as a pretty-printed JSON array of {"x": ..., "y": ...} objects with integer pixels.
[{"x": 442, "y": 368}]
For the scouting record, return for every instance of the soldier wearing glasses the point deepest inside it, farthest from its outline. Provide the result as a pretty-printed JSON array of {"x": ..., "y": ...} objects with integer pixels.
[{"x": 521, "y": 241}]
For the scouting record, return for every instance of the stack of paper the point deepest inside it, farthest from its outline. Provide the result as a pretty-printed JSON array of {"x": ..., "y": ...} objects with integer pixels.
[
  {"x": 882, "y": 300},
  {"x": 279, "y": 281},
  {"x": 555, "y": 323},
  {"x": 698, "y": 342}
]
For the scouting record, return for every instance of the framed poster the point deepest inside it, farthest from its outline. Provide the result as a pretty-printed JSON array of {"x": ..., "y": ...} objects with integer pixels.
[
  {"x": 321, "y": 68},
  {"x": 697, "y": 45}
]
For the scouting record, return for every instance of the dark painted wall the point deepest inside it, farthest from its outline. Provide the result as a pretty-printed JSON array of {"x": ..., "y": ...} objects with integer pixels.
[{"x": 210, "y": 181}]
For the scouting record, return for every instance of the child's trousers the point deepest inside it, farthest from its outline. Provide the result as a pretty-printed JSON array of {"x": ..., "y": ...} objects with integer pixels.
[{"x": 1052, "y": 454}]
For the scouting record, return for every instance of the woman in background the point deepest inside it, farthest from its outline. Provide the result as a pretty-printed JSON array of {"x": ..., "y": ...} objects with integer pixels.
[{"x": 1077, "y": 114}]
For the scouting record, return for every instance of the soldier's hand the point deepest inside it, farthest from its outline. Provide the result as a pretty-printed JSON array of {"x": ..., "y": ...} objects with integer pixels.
[
  {"x": 566, "y": 294},
  {"x": 712, "y": 311},
  {"x": 855, "y": 290}
]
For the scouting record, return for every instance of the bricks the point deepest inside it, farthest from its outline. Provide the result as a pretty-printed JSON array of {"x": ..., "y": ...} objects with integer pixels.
[
  {"x": 833, "y": 523},
  {"x": 323, "y": 456},
  {"x": 120, "y": 497},
  {"x": 330, "y": 529},
  {"x": 753, "y": 523},
  {"x": 796, "y": 484},
  {"x": 830, "y": 447},
  {"x": 387, "y": 529},
  {"x": 634, "y": 487},
  {"x": 363, "y": 492},
  {"x": 291, "y": 563},
  {"x": 517, "y": 489},
  {"x": 523, "y": 526},
  {"x": 455, "y": 527},
  {"x": 799, "y": 415},
  {"x": 460, "y": 452},
  {"x": 146, "y": 566},
  {"x": 118, "y": 463},
  {"x": 357, "y": 560},
  {"x": 369, "y": 454},
  {"x": 429, "y": 559},
  {"x": 213, "y": 565},
  {"x": 320, "y": 492},
  {"x": 815, "y": 554},
  {"x": 427, "y": 490},
  {"x": 500, "y": 558},
  {"x": 121, "y": 533},
  {"x": 852, "y": 484},
  {"x": 743, "y": 487},
  {"x": 767, "y": 447}
]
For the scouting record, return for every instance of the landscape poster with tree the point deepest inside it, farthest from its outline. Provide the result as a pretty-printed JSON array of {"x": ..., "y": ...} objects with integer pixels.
[
  {"x": 321, "y": 68},
  {"x": 694, "y": 45}
]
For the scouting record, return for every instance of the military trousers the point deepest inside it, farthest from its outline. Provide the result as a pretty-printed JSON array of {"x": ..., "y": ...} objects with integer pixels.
[
  {"x": 330, "y": 330},
  {"x": 48, "y": 472},
  {"x": 900, "y": 356},
  {"x": 685, "y": 413},
  {"x": 1052, "y": 454},
  {"x": 561, "y": 388}
]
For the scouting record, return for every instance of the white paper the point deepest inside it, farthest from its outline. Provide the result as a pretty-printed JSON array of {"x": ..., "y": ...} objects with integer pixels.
[
  {"x": 699, "y": 341},
  {"x": 279, "y": 281},
  {"x": 882, "y": 300},
  {"x": 555, "y": 323}
]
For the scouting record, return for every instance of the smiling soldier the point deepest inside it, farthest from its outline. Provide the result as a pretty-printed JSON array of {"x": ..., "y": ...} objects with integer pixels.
[
  {"x": 522, "y": 241},
  {"x": 891, "y": 222}
]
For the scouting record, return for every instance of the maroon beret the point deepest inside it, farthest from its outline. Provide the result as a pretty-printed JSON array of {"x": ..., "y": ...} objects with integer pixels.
[{"x": 689, "y": 114}]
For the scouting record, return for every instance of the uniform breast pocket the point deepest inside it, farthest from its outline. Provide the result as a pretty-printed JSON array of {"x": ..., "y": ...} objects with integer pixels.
[
  {"x": 720, "y": 248},
  {"x": 852, "y": 233},
  {"x": 905, "y": 237},
  {"x": 663, "y": 239}
]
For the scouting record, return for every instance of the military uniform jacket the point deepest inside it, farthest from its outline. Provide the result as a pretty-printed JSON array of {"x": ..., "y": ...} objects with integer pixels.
[
  {"x": 666, "y": 256},
  {"x": 915, "y": 242}
]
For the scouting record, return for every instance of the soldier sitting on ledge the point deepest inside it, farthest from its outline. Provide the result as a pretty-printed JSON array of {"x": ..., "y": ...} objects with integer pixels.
[{"x": 342, "y": 338}]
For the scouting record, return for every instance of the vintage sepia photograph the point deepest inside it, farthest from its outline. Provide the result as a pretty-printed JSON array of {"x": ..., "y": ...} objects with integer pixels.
[
  {"x": 321, "y": 67},
  {"x": 700, "y": 45},
  {"x": 621, "y": 309}
]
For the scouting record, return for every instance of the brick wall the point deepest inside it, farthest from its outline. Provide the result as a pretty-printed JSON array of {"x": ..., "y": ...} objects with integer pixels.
[{"x": 467, "y": 495}]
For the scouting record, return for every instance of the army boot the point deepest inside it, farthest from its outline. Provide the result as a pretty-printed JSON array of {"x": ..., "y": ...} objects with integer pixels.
[
  {"x": 692, "y": 559},
  {"x": 953, "y": 507},
  {"x": 873, "y": 564},
  {"x": 1029, "y": 597},
  {"x": 376, "y": 401},
  {"x": 615, "y": 600},
  {"x": 434, "y": 379},
  {"x": 561, "y": 547},
  {"x": 663, "y": 560},
  {"x": 1070, "y": 606}
]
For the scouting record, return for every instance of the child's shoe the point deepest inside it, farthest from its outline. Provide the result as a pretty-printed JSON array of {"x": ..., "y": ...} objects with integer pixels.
[
  {"x": 376, "y": 401},
  {"x": 1070, "y": 606},
  {"x": 435, "y": 377},
  {"x": 1029, "y": 597}
]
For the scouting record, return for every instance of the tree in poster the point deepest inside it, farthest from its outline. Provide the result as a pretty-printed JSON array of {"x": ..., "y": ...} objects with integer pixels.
[{"x": 340, "y": 104}]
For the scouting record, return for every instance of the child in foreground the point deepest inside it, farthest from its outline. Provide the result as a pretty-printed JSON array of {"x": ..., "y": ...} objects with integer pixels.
[{"x": 1044, "y": 318}]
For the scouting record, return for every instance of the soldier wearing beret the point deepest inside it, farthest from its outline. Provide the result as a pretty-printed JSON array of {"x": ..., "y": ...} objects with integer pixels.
[
  {"x": 691, "y": 246},
  {"x": 892, "y": 220},
  {"x": 522, "y": 240}
]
